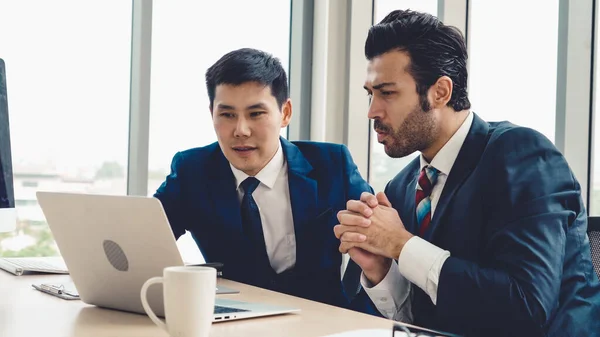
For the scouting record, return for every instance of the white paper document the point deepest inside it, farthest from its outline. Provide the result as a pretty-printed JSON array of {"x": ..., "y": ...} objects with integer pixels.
[{"x": 369, "y": 333}]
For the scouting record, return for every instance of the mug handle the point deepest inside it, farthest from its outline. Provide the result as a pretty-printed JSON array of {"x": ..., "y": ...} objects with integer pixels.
[{"x": 161, "y": 324}]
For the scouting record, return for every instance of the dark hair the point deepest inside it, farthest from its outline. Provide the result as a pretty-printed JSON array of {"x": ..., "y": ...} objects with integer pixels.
[
  {"x": 248, "y": 65},
  {"x": 435, "y": 50}
]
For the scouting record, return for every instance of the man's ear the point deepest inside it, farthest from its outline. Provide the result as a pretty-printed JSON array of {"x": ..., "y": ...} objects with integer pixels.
[
  {"x": 440, "y": 92},
  {"x": 286, "y": 110}
]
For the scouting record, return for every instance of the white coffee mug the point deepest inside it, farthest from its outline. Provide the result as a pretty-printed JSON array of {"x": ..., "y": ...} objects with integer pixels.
[{"x": 189, "y": 299}]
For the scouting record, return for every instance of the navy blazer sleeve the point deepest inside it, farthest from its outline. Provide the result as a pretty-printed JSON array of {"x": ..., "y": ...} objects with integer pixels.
[
  {"x": 532, "y": 199},
  {"x": 170, "y": 195},
  {"x": 355, "y": 186}
]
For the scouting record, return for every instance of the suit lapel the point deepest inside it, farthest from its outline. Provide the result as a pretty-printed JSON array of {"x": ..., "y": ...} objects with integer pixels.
[
  {"x": 303, "y": 197},
  {"x": 221, "y": 184},
  {"x": 467, "y": 159}
]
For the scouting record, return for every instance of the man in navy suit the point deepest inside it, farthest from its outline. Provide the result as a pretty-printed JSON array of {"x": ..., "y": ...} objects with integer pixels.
[
  {"x": 263, "y": 206},
  {"x": 485, "y": 233}
]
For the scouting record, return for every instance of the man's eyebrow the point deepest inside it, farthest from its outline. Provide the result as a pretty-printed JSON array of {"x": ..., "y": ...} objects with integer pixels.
[
  {"x": 380, "y": 85},
  {"x": 384, "y": 84},
  {"x": 257, "y": 106},
  {"x": 225, "y": 107}
]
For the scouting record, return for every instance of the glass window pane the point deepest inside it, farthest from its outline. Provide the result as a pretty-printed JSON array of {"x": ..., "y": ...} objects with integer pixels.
[
  {"x": 68, "y": 94},
  {"x": 512, "y": 68},
  {"x": 381, "y": 167},
  {"x": 384, "y": 7},
  {"x": 594, "y": 202},
  {"x": 187, "y": 38}
]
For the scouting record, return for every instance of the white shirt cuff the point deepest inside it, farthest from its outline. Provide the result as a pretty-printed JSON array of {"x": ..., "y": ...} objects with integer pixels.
[
  {"x": 389, "y": 295},
  {"x": 421, "y": 263}
]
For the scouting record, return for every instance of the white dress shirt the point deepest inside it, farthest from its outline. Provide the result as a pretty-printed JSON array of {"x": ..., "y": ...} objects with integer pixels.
[
  {"x": 273, "y": 199},
  {"x": 420, "y": 262}
]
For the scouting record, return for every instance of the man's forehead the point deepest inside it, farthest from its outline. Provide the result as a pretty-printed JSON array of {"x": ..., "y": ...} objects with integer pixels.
[
  {"x": 378, "y": 80},
  {"x": 374, "y": 79},
  {"x": 244, "y": 93},
  {"x": 390, "y": 67},
  {"x": 248, "y": 88}
]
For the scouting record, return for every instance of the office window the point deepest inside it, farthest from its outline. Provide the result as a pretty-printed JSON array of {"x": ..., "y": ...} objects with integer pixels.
[
  {"x": 187, "y": 38},
  {"x": 381, "y": 167},
  {"x": 67, "y": 65},
  {"x": 512, "y": 64},
  {"x": 594, "y": 202}
]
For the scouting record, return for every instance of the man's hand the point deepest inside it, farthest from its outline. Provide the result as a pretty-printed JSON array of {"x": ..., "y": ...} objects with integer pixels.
[
  {"x": 375, "y": 267},
  {"x": 377, "y": 230}
]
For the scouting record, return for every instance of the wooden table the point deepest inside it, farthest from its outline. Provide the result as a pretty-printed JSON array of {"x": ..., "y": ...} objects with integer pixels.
[{"x": 26, "y": 312}]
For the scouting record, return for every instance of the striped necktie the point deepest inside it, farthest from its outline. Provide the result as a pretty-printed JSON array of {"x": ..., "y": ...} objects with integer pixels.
[{"x": 427, "y": 180}]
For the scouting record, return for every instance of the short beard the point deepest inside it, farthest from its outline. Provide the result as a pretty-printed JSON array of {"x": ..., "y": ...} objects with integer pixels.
[{"x": 416, "y": 133}]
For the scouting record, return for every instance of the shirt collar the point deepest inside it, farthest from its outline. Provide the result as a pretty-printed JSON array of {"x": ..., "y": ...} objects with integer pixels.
[
  {"x": 268, "y": 175},
  {"x": 445, "y": 158}
]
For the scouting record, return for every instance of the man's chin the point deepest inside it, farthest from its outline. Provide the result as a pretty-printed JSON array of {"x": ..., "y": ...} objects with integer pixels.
[
  {"x": 244, "y": 166},
  {"x": 396, "y": 153}
]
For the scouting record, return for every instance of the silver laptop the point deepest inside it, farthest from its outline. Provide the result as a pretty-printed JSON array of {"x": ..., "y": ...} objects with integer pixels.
[{"x": 113, "y": 244}]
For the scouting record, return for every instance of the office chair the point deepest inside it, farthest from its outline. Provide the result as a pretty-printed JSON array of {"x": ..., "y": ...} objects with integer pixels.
[{"x": 594, "y": 235}]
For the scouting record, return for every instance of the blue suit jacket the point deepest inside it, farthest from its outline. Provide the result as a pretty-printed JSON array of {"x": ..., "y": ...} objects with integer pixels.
[
  {"x": 512, "y": 217},
  {"x": 200, "y": 196}
]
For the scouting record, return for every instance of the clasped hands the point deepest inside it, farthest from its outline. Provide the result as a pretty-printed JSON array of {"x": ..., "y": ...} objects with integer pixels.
[{"x": 372, "y": 233}]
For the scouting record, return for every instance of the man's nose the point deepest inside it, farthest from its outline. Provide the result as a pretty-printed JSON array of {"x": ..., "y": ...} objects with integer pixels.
[
  {"x": 375, "y": 109},
  {"x": 242, "y": 129}
]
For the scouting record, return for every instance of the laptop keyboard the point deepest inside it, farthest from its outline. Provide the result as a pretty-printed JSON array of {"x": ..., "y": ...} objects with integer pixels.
[
  {"x": 36, "y": 264},
  {"x": 226, "y": 310}
]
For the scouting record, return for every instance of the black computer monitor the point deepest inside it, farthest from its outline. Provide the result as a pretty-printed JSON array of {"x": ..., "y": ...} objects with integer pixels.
[{"x": 7, "y": 195}]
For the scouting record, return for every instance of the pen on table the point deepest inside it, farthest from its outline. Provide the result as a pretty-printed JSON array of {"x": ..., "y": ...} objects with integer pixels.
[
  {"x": 70, "y": 293},
  {"x": 51, "y": 289}
]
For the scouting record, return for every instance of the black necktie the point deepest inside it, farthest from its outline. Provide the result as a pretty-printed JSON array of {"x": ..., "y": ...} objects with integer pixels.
[{"x": 251, "y": 223}]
